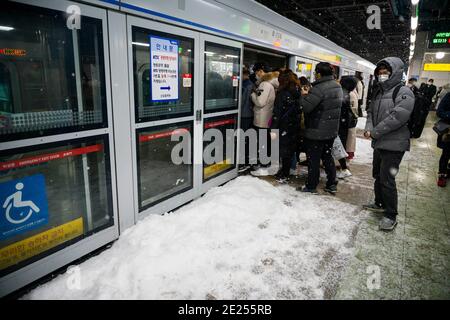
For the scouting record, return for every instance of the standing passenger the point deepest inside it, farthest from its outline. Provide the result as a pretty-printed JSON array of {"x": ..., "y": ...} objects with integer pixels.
[
  {"x": 360, "y": 92},
  {"x": 348, "y": 119},
  {"x": 246, "y": 113},
  {"x": 263, "y": 99},
  {"x": 322, "y": 109},
  {"x": 387, "y": 126},
  {"x": 443, "y": 141},
  {"x": 350, "y": 144},
  {"x": 286, "y": 118}
]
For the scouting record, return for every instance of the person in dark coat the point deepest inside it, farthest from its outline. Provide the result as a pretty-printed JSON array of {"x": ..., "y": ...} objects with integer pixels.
[
  {"x": 246, "y": 114},
  {"x": 348, "y": 120},
  {"x": 322, "y": 110},
  {"x": 443, "y": 141},
  {"x": 429, "y": 90},
  {"x": 286, "y": 118}
]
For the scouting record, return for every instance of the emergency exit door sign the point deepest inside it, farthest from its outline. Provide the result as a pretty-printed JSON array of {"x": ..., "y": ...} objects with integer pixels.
[{"x": 164, "y": 69}]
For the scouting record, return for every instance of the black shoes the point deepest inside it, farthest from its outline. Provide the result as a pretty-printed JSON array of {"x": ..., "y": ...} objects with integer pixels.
[
  {"x": 387, "y": 224},
  {"x": 305, "y": 189},
  {"x": 373, "y": 207}
]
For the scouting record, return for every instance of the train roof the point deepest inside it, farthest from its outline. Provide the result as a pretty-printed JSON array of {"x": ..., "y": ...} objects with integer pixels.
[{"x": 247, "y": 21}]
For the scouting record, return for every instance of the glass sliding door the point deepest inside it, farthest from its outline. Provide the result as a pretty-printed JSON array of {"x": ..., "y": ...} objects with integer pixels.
[
  {"x": 163, "y": 63},
  {"x": 221, "y": 64},
  {"x": 57, "y": 175}
]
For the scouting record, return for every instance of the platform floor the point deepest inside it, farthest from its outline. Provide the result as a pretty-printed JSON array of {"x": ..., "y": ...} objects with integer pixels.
[
  {"x": 414, "y": 260},
  {"x": 250, "y": 239}
]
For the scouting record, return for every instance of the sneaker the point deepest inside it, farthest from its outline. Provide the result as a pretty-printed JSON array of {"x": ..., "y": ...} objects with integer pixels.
[
  {"x": 373, "y": 207},
  {"x": 265, "y": 171},
  {"x": 387, "y": 224},
  {"x": 331, "y": 189},
  {"x": 442, "y": 180},
  {"x": 282, "y": 179},
  {"x": 305, "y": 189},
  {"x": 342, "y": 174}
]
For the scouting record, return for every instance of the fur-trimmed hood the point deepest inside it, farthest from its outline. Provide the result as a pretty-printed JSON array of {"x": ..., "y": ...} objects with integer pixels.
[{"x": 271, "y": 77}]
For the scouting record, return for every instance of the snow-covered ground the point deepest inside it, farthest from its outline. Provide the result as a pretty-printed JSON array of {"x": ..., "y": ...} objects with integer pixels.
[{"x": 245, "y": 240}]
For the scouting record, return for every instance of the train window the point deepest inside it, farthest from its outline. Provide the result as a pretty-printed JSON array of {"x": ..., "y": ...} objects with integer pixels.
[
  {"x": 159, "y": 177},
  {"x": 227, "y": 163},
  {"x": 52, "y": 77},
  {"x": 52, "y": 195},
  {"x": 221, "y": 77},
  {"x": 163, "y": 75}
]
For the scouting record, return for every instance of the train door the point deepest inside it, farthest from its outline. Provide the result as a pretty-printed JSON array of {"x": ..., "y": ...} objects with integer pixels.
[
  {"x": 220, "y": 70},
  {"x": 57, "y": 177},
  {"x": 164, "y": 80}
]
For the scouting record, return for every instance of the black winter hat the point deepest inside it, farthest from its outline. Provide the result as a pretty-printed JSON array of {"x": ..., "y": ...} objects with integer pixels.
[{"x": 349, "y": 83}]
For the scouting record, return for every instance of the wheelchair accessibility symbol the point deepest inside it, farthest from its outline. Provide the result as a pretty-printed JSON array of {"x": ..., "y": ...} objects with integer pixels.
[
  {"x": 15, "y": 201},
  {"x": 24, "y": 205}
]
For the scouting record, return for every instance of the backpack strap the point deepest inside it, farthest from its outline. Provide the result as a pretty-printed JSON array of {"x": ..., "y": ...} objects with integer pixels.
[{"x": 395, "y": 93}]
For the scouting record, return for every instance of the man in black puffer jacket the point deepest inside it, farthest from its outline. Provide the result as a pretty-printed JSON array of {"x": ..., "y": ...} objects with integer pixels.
[{"x": 322, "y": 109}]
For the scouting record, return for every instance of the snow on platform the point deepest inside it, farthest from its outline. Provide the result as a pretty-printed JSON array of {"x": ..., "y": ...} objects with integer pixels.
[{"x": 245, "y": 240}]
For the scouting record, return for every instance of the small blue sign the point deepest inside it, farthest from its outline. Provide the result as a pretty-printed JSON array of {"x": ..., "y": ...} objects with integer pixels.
[{"x": 24, "y": 205}]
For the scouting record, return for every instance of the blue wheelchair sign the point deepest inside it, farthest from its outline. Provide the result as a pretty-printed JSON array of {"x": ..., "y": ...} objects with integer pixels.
[{"x": 23, "y": 205}]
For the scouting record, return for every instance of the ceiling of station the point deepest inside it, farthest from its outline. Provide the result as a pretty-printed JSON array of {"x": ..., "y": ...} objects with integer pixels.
[{"x": 345, "y": 22}]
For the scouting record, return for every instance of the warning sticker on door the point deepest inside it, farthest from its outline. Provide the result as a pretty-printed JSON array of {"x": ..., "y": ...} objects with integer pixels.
[
  {"x": 187, "y": 80},
  {"x": 235, "y": 81}
]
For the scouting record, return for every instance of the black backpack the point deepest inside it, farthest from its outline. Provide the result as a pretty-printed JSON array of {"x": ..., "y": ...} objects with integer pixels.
[{"x": 419, "y": 115}]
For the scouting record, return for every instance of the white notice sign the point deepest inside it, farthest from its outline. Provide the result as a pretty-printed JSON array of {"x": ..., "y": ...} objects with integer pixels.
[{"x": 164, "y": 68}]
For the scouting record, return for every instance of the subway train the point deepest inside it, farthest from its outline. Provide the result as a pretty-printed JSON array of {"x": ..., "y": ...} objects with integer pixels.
[{"x": 91, "y": 94}]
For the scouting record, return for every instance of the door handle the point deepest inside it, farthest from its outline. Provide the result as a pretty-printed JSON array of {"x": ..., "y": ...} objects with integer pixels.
[{"x": 198, "y": 115}]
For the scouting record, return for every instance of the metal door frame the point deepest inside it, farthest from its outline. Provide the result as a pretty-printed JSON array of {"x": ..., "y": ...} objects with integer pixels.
[
  {"x": 46, "y": 265},
  {"x": 226, "y": 176},
  {"x": 182, "y": 198}
]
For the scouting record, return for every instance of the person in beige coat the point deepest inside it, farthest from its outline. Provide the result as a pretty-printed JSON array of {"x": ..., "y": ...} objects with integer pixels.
[
  {"x": 263, "y": 99},
  {"x": 350, "y": 146}
]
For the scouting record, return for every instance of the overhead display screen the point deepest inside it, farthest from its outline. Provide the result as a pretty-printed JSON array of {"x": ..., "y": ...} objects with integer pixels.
[{"x": 439, "y": 40}]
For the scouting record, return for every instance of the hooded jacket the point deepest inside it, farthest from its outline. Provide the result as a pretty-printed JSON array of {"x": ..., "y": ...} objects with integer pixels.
[
  {"x": 322, "y": 109},
  {"x": 263, "y": 103},
  {"x": 286, "y": 118},
  {"x": 388, "y": 121}
]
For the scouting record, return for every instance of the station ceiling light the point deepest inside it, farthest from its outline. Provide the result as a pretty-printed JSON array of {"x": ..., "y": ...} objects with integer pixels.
[
  {"x": 414, "y": 22},
  {"x": 440, "y": 55},
  {"x": 413, "y": 37},
  {"x": 414, "y": 2},
  {"x": 6, "y": 28}
]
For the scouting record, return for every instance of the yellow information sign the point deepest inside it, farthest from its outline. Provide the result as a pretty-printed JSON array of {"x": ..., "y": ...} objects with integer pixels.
[
  {"x": 39, "y": 243},
  {"x": 437, "y": 67},
  {"x": 216, "y": 168}
]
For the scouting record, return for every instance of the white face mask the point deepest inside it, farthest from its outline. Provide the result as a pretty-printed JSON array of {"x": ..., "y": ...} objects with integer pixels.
[{"x": 383, "y": 77}]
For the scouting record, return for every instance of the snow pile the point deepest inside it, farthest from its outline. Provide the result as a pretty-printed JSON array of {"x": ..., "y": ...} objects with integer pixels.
[
  {"x": 363, "y": 151},
  {"x": 361, "y": 124},
  {"x": 245, "y": 240}
]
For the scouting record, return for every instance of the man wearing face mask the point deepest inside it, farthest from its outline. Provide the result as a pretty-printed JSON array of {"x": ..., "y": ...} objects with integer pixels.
[
  {"x": 429, "y": 91},
  {"x": 412, "y": 85},
  {"x": 387, "y": 127}
]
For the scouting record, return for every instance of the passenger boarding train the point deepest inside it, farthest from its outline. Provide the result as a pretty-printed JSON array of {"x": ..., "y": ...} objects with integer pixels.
[{"x": 91, "y": 93}]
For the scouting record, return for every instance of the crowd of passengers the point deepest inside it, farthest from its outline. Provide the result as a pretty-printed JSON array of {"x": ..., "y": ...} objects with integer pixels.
[{"x": 319, "y": 118}]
